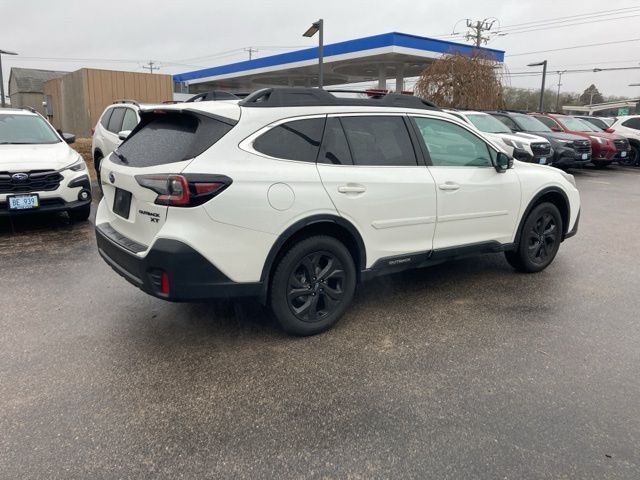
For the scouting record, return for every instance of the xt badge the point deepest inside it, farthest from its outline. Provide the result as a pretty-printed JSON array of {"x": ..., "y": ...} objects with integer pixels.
[{"x": 155, "y": 217}]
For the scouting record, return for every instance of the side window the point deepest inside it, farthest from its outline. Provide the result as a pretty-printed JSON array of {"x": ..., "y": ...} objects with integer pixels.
[
  {"x": 451, "y": 145},
  {"x": 508, "y": 122},
  {"x": 334, "y": 149},
  {"x": 379, "y": 141},
  {"x": 552, "y": 124},
  {"x": 296, "y": 140},
  {"x": 130, "y": 120},
  {"x": 632, "y": 123},
  {"x": 115, "y": 122},
  {"x": 105, "y": 118}
]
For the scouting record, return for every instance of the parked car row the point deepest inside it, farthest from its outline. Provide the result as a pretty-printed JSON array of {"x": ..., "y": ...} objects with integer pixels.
[{"x": 559, "y": 140}]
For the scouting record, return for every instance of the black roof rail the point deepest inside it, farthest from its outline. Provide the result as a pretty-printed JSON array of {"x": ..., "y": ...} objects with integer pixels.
[
  {"x": 307, "y": 97},
  {"x": 126, "y": 100},
  {"x": 213, "y": 95}
]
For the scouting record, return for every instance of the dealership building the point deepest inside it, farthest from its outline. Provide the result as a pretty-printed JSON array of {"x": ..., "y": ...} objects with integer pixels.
[{"x": 390, "y": 56}]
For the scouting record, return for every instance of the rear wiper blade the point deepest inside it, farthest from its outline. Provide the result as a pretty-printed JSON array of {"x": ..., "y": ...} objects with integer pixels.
[{"x": 122, "y": 158}]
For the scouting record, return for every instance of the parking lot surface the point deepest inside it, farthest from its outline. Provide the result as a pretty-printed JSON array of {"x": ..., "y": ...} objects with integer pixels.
[{"x": 464, "y": 370}]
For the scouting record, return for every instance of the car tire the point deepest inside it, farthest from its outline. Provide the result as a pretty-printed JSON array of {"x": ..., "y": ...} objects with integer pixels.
[
  {"x": 80, "y": 214},
  {"x": 634, "y": 156},
  {"x": 312, "y": 286},
  {"x": 96, "y": 165},
  {"x": 539, "y": 241}
]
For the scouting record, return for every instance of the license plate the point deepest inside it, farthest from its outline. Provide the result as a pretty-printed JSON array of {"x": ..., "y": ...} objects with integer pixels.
[
  {"x": 122, "y": 203},
  {"x": 543, "y": 161},
  {"x": 585, "y": 156},
  {"x": 623, "y": 154},
  {"x": 23, "y": 202}
]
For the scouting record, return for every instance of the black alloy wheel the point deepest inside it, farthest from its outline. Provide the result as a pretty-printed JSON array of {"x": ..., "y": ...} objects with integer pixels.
[
  {"x": 540, "y": 239},
  {"x": 312, "y": 285},
  {"x": 316, "y": 286}
]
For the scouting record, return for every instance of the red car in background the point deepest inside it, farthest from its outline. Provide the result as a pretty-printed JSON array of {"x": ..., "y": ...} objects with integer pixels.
[{"x": 605, "y": 147}]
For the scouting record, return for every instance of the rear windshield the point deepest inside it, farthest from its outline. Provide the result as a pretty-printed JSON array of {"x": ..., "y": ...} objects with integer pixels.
[{"x": 171, "y": 137}]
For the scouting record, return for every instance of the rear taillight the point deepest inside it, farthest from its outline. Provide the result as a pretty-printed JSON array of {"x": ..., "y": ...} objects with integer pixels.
[
  {"x": 609, "y": 130},
  {"x": 187, "y": 190},
  {"x": 164, "y": 283}
]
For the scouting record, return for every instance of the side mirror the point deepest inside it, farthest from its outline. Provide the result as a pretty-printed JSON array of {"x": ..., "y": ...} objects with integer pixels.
[
  {"x": 124, "y": 134},
  {"x": 69, "y": 138},
  {"x": 556, "y": 129},
  {"x": 503, "y": 162}
]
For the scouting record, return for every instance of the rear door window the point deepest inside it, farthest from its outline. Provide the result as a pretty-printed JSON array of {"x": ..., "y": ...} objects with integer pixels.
[
  {"x": 170, "y": 137},
  {"x": 115, "y": 122},
  {"x": 335, "y": 149},
  {"x": 379, "y": 141},
  {"x": 295, "y": 140}
]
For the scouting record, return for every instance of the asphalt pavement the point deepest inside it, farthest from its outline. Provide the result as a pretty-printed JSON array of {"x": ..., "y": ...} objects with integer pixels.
[{"x": 465, "y": 370}]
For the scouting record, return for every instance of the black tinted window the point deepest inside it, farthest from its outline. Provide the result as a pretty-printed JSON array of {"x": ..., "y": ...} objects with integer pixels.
[
  {"x": 547, "y": 121},
  {"x": 105, "y": 118},
  {"x": 115, "y": 122},
  {"x": 170, "y": 137},
  {"x": 379, "y": 141},
  {"x": 508, "y": 122},
  {"x": 632, "y": 123},
  {"x": 335, "y": 149},
  {"x": 296, "y": 140}
]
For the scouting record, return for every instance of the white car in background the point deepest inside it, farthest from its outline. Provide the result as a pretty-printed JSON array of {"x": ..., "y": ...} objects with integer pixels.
[
  {"x": 39, "y": 172},
  {"x": 115, "y": 124},
  {"x": 629, "y": 126},
  {"x": 525, "y": 147}
]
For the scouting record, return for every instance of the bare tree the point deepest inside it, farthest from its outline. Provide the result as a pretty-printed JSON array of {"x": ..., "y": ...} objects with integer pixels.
[{"x": 462, "y": 81}]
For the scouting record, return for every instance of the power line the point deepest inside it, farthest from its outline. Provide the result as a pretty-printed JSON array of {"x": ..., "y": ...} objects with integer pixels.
[{"x": 574, "y": 47}]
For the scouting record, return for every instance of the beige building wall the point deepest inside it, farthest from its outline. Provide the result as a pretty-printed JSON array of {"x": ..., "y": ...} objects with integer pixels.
[
  {"x": 79, "y": 98},
  {"x": 33, "y": 100}
]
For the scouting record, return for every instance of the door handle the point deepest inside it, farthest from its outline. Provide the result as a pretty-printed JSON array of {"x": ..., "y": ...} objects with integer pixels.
[
  {"x": 449, "y": 186},
  {"x": 351, "y": 188}
]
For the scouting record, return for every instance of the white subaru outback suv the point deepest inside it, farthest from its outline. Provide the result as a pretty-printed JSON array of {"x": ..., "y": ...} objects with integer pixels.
[
  {"x": 39, "y": 172},
  {"x": 295, "y": 195}
]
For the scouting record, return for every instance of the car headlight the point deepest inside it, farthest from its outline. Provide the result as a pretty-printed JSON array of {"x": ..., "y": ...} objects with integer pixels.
[
  {"x": 569, "y": 178},
  {"x": 566, "y": 143},
  {"x": 514, "y": 144},
  {"x": 600, "y": 140},
  {"x": 77, "y": 166}
]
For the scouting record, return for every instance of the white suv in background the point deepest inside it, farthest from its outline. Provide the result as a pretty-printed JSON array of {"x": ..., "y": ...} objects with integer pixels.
[
  {"x": 39, "y": 172},
  {"x": 525, "y": 147},
  {"x": 115, "y": 124},
  {"x": 294, "y": 196},
  {"x": 629, "y": 126}
]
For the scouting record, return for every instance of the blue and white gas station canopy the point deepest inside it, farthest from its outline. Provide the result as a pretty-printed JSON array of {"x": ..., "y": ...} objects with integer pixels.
[{"x": 378, "y": 58}]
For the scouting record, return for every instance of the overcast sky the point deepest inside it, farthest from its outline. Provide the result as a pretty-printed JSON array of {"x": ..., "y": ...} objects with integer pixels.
[{"x": 184, "y": 36}]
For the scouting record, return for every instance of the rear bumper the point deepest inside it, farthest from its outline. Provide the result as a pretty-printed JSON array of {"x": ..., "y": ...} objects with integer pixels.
[{"x": 191, "y": 276}]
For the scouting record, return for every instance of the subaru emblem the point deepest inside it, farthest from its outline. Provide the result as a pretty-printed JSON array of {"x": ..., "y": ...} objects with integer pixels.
[
  {"x": 19, "y": 177},
  {"x": 112, "y": 177}
]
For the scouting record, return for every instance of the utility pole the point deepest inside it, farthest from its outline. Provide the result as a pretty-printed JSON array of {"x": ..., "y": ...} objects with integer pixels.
[
  {"x": 151, "y": 66},
  {"x": 560, "y": 73},
  {"x": 477, "y": 29},
  {"x": 251, "y": 51}
]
